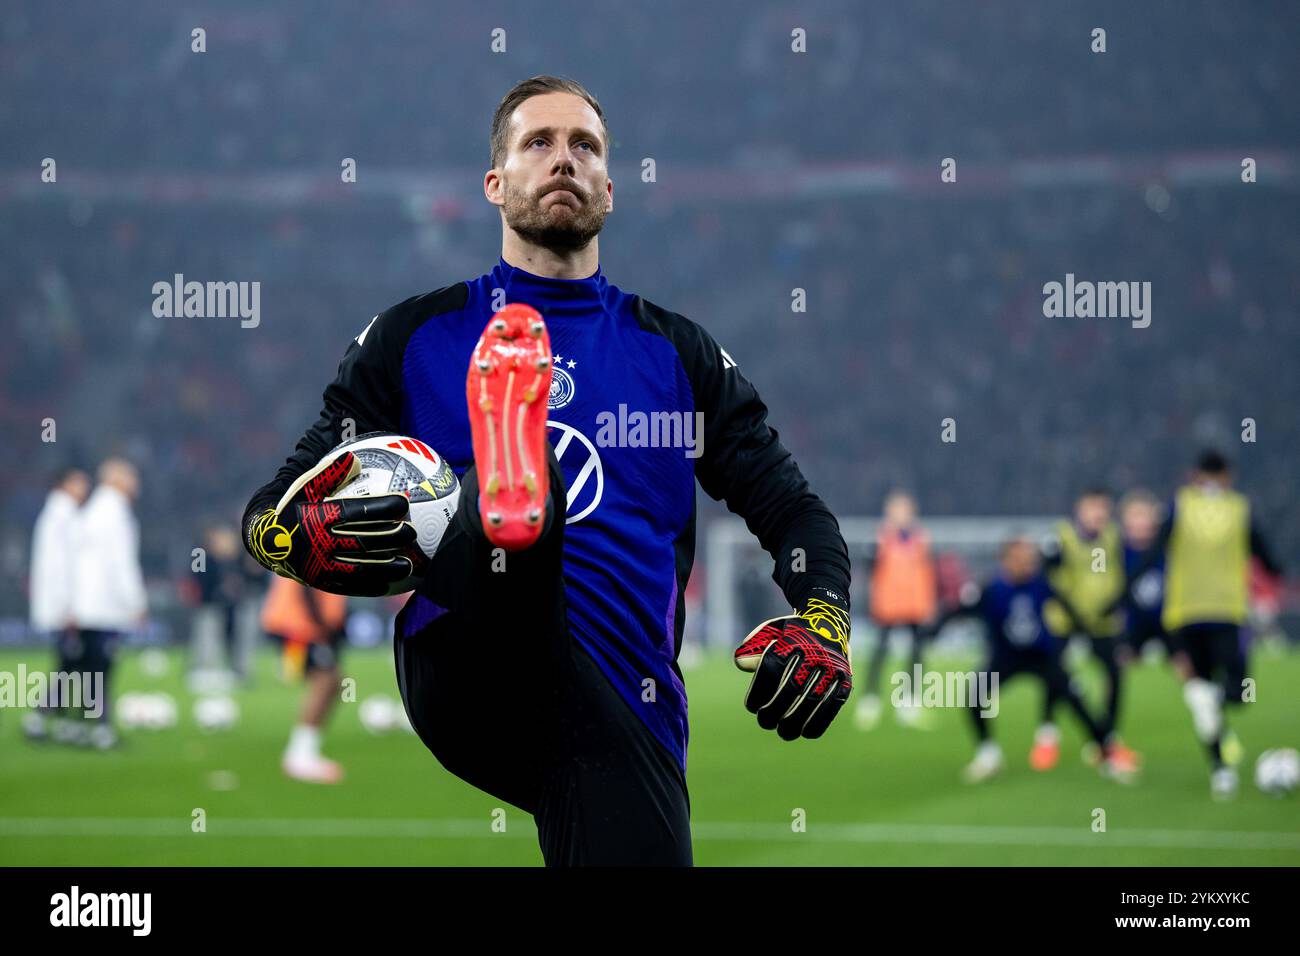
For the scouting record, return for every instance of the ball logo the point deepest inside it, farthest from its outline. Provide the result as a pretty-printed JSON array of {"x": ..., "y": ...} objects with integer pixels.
[
  {"x": 281, "y": 544},
  {"x": 583, "y": 474},
  {"x": 561, "y": 388}
]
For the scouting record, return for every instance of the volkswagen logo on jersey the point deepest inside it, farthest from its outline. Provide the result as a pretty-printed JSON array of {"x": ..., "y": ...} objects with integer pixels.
[
  {"x": 582, "y": 469},
  {"x": 561, "y": 388}
]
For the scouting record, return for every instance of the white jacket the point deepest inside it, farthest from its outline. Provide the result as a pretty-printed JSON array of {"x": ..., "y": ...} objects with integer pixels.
[
  {"x": 53, "y": 553},
  {"x": 109, "y": 593}
]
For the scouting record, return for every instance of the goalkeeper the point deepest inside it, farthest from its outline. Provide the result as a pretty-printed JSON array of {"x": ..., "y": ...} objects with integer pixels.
[{"x": 538, "y": 660}]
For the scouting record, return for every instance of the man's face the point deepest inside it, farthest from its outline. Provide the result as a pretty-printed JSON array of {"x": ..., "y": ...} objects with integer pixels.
[
  {"x": 1093, "y": 513},
  {"x": 554, "y": 187},
  {"x": 1139, "y": 519},
  {"x": 900, "y": 510},
  {"x": 1020, "y": 561},
  {"x": 77, "y": 485}
]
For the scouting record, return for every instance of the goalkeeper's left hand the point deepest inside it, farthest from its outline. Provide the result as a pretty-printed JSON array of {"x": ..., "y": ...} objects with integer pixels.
[{"x": 800, "y": 663}]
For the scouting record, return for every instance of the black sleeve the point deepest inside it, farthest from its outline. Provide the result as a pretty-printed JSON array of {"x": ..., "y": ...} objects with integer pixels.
[
  {"x": 744, "y": 464},
  {"x": 1260, "y": 549},
  {"x": 366, "y": 394}
]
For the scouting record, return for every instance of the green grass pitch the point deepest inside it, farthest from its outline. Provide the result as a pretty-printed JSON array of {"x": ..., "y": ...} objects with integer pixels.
[{"x": 891, "y": 796}]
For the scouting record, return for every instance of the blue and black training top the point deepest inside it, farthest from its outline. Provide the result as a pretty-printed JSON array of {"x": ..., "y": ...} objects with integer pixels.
[
  {"x": 627, "y": 375},
  {"x": 1012, "y": 613}
]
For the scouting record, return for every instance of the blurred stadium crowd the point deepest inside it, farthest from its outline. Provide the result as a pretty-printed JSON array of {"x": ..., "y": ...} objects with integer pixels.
[
  {"x": 294, "y": 83},
  {"x": 920, "y": 307}
]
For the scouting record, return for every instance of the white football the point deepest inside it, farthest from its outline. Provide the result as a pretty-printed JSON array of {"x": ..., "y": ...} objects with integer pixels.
[
  {"x": 214, "y": 714},
  {"x": 379, "y": 714},
  {"x": 1277, "y": 772},
  {"x": 142, "y": 711},
  {"x": 132, "y": 710},
  {"x": 162, "y": 711},
  {"x": 395, "y": 464}
]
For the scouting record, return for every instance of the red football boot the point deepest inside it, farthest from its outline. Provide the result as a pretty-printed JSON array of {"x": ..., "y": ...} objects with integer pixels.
[{"x": 507, "y": 387}]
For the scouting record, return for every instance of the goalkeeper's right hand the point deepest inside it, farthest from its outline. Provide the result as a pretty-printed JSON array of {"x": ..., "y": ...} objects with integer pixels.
[{"x": 346, "y": 545}]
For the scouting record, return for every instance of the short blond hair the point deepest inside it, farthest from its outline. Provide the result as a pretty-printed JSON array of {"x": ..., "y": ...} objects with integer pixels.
[{"x": 527, "y": 89}]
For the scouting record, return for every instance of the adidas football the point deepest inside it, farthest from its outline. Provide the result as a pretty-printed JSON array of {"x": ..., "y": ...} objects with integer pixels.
[{"x": 395, "y": 464}]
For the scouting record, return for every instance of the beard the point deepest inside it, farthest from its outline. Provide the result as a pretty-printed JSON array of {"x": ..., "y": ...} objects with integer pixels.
[{"x": 558, "y": 227}]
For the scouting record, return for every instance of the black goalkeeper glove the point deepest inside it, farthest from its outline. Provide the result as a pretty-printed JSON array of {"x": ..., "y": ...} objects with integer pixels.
[
  {"x": 348, "y": 545},
  {"x": 800, "y": 663}
]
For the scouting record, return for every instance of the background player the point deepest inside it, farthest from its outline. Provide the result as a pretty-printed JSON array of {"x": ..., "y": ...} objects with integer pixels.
[
  {"x": 1086, "y": 568},
  {"x": 1206, "y": 542},
  {"x": 109, "y": 598},
  {"x": 309, "y": 626},
  {"x": 54, "y": 546},
  {"x": 902, "y": 597},
  {"x": 1011, "y": 607},
  {"x": 228, "y": 579},
  {"x": 1140, "y": 516}
]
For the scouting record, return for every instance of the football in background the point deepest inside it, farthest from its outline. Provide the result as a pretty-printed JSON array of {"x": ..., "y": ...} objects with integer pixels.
[
  {"x": 216, "y": 714},
  {"x": 1277, "y": 772}
]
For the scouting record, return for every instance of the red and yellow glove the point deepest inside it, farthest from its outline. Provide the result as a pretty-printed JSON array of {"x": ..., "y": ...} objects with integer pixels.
[
  {"x": 346, "y": 545},
  {"x": 800, "y": 663}
]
